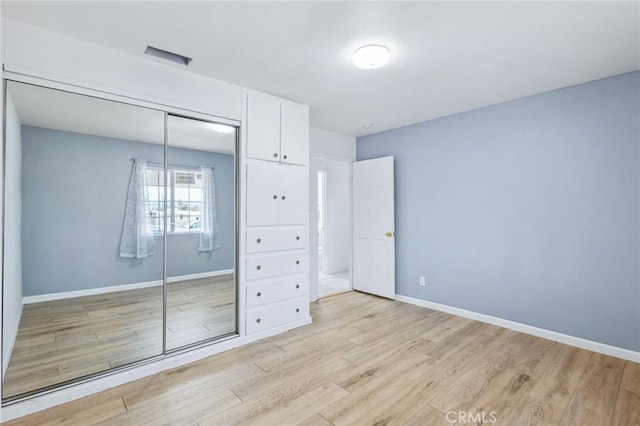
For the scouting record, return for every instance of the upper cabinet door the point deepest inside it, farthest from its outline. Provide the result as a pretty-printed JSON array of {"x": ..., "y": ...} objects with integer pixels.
[
  {"x": 294, "y": 137},
  {"x": 263, "y": 127}
]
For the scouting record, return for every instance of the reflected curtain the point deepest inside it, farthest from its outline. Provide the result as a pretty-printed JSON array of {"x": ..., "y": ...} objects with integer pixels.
[
  {"x": 137, "y": 235},
  {"x": 209, "y": 232}
]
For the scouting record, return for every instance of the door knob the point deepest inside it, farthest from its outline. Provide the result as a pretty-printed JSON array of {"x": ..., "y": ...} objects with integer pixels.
[{"x": 389, "y": 234}]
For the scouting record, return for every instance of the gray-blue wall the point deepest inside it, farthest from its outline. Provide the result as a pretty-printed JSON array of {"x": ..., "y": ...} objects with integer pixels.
[
  {"x": 74, "y": 189},
  {"x": 527, "y": 210}
]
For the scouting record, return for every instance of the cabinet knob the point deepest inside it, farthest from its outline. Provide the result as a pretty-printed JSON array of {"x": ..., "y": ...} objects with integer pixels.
[
  {"x": 275, "y": 197},
  {"x": 297, "y": 262},
  {"x": 297, "y": 309},
  {"x": 259, "y": 294},
  {"x": 284, "y": 156},
  {"x": 297, "y": 238},
  {"x": 283, "y": 197},
  {"x": 297, "y": 285},
  {"x": 258, "y": 267},
  {"x": 258, "y": 320},
  {"x": 275, "y": 154},
  {"x": 259, "y": 240}
]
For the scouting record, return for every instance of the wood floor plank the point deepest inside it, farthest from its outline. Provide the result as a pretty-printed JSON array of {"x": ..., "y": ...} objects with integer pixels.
[
  {"x": 594, "y": 399},
  {"x": 631, "y": 377},
  {"x": 627, "y": 410},
  {"x": 302, "y": 407}
]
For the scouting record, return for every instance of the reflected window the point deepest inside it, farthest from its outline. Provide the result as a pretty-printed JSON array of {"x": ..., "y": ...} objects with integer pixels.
[{"x": 185, "y": 196}]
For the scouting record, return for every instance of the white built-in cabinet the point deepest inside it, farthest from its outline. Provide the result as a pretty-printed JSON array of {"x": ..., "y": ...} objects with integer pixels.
[{"x": 276, "y": 268}]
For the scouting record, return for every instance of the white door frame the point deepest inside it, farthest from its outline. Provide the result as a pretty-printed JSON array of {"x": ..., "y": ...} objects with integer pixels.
[
  {"x": 313, "y": 221},
  {"x": 323, "y": 172}
]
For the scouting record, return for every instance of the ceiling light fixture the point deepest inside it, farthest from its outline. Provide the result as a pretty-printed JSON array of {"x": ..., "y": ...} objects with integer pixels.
[
  {"x": 221, "y": 128},
  {"x": 371, "y": 56}
]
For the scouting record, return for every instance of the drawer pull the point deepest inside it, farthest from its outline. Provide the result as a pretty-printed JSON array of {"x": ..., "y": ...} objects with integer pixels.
[
  {"x": 275, "y": 154},
  {"x": 258, "y": 320},
  {"x": 259, "y": 240},
  {"x": 258, "y": 267},
  {"x": 298, "y": 238},
  {"x": 259, "y": 294},
  {"x": 284, "y": 156},
  {"x": 275, "y": 197},
  {"x": 297, "y": 285},
  {"x": 297, "y": 309},
  {"x": 283, "y": 197},
  {"x": 297, "y": 262}
]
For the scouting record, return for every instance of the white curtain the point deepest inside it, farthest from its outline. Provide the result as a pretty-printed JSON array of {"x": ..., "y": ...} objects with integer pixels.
[
  {"x": 209, "y": 233},
  {"x": 137, "y": 236}
]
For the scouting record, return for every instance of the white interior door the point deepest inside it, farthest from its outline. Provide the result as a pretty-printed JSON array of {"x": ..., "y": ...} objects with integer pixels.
[{"x": 374, "y": 243}]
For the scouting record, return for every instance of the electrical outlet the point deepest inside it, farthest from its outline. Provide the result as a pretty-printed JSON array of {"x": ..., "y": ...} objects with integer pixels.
[{"x": 423, "y": 283}]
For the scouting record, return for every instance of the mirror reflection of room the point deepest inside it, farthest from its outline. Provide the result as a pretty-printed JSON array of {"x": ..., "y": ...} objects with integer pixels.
[
  {"x": 84, "y": 254},
  {"x": 201, "y": 222}
]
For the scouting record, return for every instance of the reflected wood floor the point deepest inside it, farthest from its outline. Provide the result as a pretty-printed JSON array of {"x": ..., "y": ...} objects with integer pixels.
[
  {"x": 66, "y": 339},
  {"x": 371, "y": 361}
]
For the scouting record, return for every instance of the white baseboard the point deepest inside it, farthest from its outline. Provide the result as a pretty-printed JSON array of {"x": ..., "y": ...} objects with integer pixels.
[
  {"x": 80, "y": 390},
  {"x": 124, "y": 287},
  {"x": 528, "y": 329},
  {"x": 6, "y": 356}
]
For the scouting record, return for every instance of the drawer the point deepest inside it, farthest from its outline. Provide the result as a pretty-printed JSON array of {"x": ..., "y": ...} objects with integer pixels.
[
  {"x": 276, "y": 314},
  {"x": 263, "y": 240},
  {"x": 265, "y": 266},
  {"x": 265, "y": 292}
]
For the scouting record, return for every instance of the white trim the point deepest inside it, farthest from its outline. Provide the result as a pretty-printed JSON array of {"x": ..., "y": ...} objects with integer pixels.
[
  {"x": 124, "y": 287},
  {"x": 24, "y": 76},
  {"x": 80, "y": 390},
  {"x": 314, "y": 267},
  {"x": 528, "y": 329},
  {"x": 12, "y": 343}
]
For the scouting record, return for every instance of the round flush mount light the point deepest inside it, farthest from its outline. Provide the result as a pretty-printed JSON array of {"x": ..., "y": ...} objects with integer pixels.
[
  {"x": 221, "y": 128},
  {"x": 371, "y": 56}
]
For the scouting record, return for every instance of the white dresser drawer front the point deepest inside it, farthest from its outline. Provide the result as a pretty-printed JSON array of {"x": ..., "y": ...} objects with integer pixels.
[
  {"x": 276, "y": 314},
  {"x": 263, "y": 240},
  {"x": 265, "y": 266},
  {"x": 264, "y": 292}
]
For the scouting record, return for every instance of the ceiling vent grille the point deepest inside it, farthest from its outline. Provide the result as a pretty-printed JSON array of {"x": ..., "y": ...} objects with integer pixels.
[{"x": 169, "y": 56}]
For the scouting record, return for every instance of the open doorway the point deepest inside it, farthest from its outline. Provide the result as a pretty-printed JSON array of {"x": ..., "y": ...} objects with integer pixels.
[{"x": 334, "y": 235}]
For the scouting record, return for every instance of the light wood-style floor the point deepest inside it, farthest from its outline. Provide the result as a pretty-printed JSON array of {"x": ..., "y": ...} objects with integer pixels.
[
  {"x": 371, "y": 361},
  {"x": 66, "y": 339}
]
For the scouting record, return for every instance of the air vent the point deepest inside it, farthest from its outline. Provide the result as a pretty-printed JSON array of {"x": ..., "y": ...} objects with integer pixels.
[{"x": 169, "y": 56}]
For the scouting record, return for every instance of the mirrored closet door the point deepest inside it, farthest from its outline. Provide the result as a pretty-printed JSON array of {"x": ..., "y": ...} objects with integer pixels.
[
  {"x": 100, "y": 232},
  {"x": 200, "y": 231}
]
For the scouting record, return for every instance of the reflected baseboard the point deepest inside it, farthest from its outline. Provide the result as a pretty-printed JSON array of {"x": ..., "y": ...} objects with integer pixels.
[{"x": 124, "y": 287}]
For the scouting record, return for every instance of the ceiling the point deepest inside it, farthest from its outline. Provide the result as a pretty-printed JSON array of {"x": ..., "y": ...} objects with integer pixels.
[
  {"x": 58, "y": 110},
  {"x": 447, "y": 57}
]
